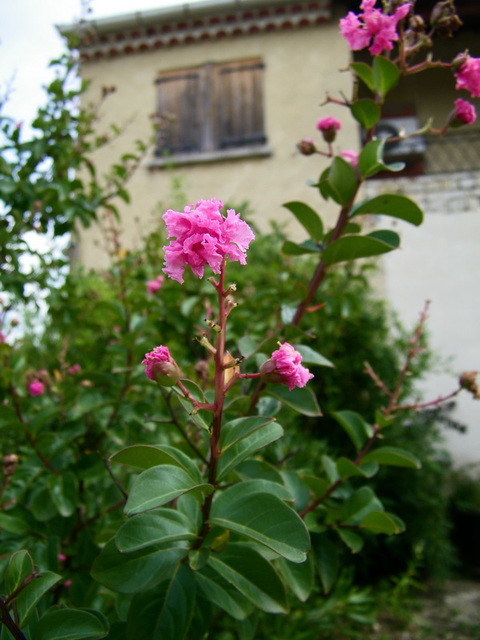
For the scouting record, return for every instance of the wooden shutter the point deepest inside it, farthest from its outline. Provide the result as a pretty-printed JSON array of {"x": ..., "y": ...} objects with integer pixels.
[
  {"x": 238, "y": 100},
  {"x": 179, "y": 111}
]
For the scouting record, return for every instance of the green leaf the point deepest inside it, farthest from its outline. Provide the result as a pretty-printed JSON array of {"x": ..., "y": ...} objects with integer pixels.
[
  {"x": 390, "y": 204},
  {"x": 158, "y": 485},
  {"x": 166, "y": 613},
  {"x": 70, "y": 624},
  {"x": 385, "y": 75},
  {"x": 145, "y": 456},
  {"x": 366, "y": 112},
  {"x": 139, "y": 570},
  {"x": 242, "y": 437},
  {"x": 326, "y": 559},
  {"x": 371, "y": 160},
  {"x": 354, "y": 247},
  {"x": 223, "y": 594},
  {"x": 290, "y": 248},
  {"x": 360, "y": 504},
  {"x": 266, "y": 519},
  {"x": 364, "y": 72},
  {"x": 394, "y": 457},
  {"x": 64, "y": 492},
  {"x": 381, "y": 522},
  {"x": 355, "y": 426},
  {"x": 309, "y": 356},
  {"x": 20, "y": 566},
  {"x": 308, "y": 218},
  {"x": 353, "y": 541},
  {"x": 330, "y": 469},
  {"x": 298, "y": 577},
  {"x": 156, "y": 527},
  {"x": 14, "y": 521},
  {"x": 28, "y": 598},
  {"x": 346, "y": 468},
  {"x": 302, "y": 400},
  {"x": 253, "y": 576},
  {"x": 339, "y": 181}
]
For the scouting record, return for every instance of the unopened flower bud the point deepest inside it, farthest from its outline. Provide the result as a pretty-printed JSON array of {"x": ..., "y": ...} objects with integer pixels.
[
  {"x": 468, "y": 381},
  {"x": 329, "y": 127},
  {"x": 306, "y": 146},
  {"x": 284, "y": 367},
  {"x": 464, "y": 113},
  {"x": 9, "y": 464},
  {"x": 161, "y": 367},
  {"x": 416, "y": 24}
]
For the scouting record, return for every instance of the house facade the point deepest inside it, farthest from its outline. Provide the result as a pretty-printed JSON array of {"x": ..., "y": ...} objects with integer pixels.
[{"x": 225, "y": 89}]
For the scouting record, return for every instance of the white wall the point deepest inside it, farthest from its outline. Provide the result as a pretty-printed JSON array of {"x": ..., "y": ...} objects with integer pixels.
[{"x": 440, "y": 262}]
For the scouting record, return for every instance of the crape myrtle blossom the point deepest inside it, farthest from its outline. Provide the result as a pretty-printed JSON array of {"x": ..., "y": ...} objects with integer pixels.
[
  {"x": 161, "y": 367},
  {"x": 203, "y": 236},
  {"x": 329, "y": 127},
  {"x": 468, "y": 75},
  {"x": 284, "y": 367},
  {"x": 464, "y": 113},
  {"x": 372, "y": 28}
]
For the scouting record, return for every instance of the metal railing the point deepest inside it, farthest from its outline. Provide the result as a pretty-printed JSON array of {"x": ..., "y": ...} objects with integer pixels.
[{"x": 459, "y": 151}]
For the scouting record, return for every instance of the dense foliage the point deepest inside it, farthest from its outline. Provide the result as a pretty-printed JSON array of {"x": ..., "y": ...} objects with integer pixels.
[{"x": 232, "y": 488}]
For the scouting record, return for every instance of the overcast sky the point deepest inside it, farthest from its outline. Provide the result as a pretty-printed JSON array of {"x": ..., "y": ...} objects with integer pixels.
[{"x": 29, "y": 40}]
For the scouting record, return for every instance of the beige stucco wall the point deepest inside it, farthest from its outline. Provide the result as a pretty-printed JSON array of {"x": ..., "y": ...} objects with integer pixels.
[
  {"x": 440, "y": 262},
  {"x": 300, "y": 66}
]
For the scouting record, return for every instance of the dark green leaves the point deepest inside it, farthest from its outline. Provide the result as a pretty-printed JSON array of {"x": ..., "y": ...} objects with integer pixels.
[
  {"x": 158, "y": 485},
  {"x": 302, "y": 400},
  {"x": 71, "y": 624},
  {"x": 139, "y": 570},
  {"x": 354, "y": 247},
  {"x": 165, "y": 614},
  {"x": 366, "y": 112},
  {"x": 393, "y": 456},
  {"x": 244, "y": 436},
  {"x": 371, "y": 160},
  {"x": 380, "y": 78},
  {"x": 264, "y": 518},
  {"x": 253, "y": 576},
  {"x": 338, "y": 182},
  {"x": 308, "y": 218},
  {"x": 156, "y": 527},
  {"x": 358, "y": 430},
  {"x": 390, "y": 204}
]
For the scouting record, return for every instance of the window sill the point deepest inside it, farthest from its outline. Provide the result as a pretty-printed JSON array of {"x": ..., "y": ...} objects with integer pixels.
[{"x": 219, "y": 155}]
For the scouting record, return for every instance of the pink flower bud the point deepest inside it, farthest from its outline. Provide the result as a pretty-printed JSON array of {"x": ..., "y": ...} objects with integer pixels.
[
  {"x": 36, "y": 388},
  {"x": 75, "y": 368},
  {"x": 161, "y": 367},
  {"x": 329, "y": 127},
  {"x": 155, "y": 285},
  {"x": 350, "y": 156},
  {"x": 284, "y": 367},
  {"x": 464, "y": 113}
]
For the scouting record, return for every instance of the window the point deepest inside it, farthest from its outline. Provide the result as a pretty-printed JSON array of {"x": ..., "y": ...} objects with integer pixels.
[{"x": 214, "y": 109}]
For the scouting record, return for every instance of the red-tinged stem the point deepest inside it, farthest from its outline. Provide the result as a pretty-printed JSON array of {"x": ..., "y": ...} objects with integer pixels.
[
  {"x": 9, "y": 623},
  {"x": 219, "y": 387},
  {"x": 195, "y": 403},
  {"x": 430, "y": 403}
]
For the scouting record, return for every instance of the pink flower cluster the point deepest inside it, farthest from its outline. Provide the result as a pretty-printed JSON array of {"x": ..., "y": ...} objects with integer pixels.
[
  {"x": 203, "y": 236},
  {"x": 155, "y": 285},
  {"x": 372, "y": 28},
  {"x": 468, "y": 76},
  {"x": 285, "y": 367},
  {"x": 464, "y": 113}
]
